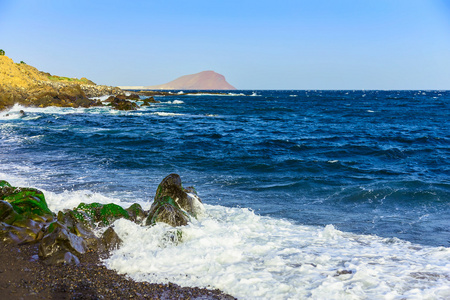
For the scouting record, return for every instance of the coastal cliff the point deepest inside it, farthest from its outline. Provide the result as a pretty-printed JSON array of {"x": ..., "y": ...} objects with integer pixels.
[
  {"x": 26, "y": 85},
  {"x": 206, "y": 80}
]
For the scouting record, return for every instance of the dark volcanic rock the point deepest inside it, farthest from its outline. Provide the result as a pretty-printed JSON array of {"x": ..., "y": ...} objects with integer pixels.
[
  {"x": 110, "y": 239},
  {"x": 121, "y": 104},
  {"x": 149, "y": 100},
  {"x": 173, "y": 204}
]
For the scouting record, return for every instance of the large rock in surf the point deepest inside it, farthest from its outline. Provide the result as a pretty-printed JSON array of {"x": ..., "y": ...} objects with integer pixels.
[{"x": 173, "y": 204}]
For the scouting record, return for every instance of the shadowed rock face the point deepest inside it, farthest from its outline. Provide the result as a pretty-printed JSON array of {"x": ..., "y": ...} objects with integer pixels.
[
  {"x": 206, "y": 80},
  {"x": 63, "y": 237},
  {"x": 173, "y": 204}
]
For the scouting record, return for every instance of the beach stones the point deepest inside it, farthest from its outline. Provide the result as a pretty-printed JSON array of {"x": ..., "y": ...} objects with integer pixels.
[{"x": 173, "y": 204}]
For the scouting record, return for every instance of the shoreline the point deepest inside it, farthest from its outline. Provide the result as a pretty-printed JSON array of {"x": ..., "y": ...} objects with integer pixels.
[
  {"x": 47, "y": 255},
  {"x": 24, "y": 276}
]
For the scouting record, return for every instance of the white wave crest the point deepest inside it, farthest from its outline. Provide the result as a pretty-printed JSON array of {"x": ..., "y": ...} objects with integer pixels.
[
  {"x": 166, "y": 114},
  {"x": 174, "y": 102}
]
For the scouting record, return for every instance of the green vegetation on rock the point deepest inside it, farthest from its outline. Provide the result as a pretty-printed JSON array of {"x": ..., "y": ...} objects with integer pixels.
[
  {"x": 26, "y": 218},
  {"x": 104, "y": 214},
  {"x": 2, "y": 52}
]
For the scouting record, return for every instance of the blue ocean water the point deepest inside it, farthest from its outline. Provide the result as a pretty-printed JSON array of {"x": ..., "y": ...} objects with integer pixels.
[{"x": 370, "y": 163}]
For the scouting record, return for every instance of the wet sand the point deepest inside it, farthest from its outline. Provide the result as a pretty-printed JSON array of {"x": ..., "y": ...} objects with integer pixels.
[{"x": 24, "y": 276}]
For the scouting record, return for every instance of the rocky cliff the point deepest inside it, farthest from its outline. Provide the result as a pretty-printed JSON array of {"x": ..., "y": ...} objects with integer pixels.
[
  {"x": 26, "y": 85},
  {"x": 206, "y": 80}
]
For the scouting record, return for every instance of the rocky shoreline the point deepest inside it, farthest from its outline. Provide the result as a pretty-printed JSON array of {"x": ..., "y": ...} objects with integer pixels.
[{"x": 47, "y": 255}]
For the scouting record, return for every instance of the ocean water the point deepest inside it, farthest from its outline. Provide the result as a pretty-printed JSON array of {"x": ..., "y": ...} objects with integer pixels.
[{"x": 307, "y": 194}]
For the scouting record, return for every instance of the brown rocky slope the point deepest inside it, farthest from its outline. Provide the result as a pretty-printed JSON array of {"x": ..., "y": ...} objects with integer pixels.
[{"x": 26, "y": 85}]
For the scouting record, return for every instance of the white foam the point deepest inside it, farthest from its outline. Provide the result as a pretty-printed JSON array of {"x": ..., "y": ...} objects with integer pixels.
[
  {"x": 13, "y": 113},
  {"x": 101, "y": 98},
  {"x": 166, "y": 114},
  {"x": 174, "y": 102},
  {"x": 251, "y": 257},
  {"x": 210, "y": 94}
]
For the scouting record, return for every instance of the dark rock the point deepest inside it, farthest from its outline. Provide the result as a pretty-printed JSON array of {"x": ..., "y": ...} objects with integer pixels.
[
  {"x": 7, "y": 213},
  {"x": 147, "y": 101},
  {"x": 171, "y": 186},
  {"x": 81, "y": 228},
  {"x": 133, "y": 97},
  {"x": 58, "y": 241},
  {"x": 110, "y": 239},
  {"x": 172, "y": 204},
  {"x": 120, "y": 103},
  {"x": 136, "y": 213},
  {"x": 166, "y": 210}
]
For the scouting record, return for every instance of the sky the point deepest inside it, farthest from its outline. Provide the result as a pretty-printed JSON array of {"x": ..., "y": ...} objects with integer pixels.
[{"x": 255, "y": 44}]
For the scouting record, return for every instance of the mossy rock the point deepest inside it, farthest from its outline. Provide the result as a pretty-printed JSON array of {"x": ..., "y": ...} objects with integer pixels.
[
  {"x": 103, "y": 214},
  {"x": 4, "y": 183},
  {"x": 166, "y": 210},
  {"x": 136, "y": 213},
  {"x": 171, "y": 186},
  {"x": 28, "y": 202}
]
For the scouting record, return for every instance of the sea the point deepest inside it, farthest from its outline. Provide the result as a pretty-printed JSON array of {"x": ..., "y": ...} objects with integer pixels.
[{"x": 306, "y": 194}]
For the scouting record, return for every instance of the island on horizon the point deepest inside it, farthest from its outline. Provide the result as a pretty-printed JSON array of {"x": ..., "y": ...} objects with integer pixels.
[{"x": 206, "y": 80}]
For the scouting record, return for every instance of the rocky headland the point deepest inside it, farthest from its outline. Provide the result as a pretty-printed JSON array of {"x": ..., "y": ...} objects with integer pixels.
[
  {"x": 62, "y": 249},
  {"x": 27, "y": 86}
]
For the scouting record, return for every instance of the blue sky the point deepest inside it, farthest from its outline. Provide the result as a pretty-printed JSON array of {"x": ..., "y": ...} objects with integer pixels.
[{"x": 320, "y": 44}]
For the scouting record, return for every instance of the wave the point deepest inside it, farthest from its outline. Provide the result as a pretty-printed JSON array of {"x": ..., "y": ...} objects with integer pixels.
[
  {"x": 174, "y": 102},
  {"x": 249, "y": 256},
  {"x": 167, "y": 114}
]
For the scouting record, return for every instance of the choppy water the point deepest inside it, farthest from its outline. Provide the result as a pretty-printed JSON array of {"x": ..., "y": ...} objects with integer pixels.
[{"x": 299, "y": 186}]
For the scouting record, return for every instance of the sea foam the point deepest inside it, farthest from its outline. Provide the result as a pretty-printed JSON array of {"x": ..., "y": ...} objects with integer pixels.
[{"x": 249, "y": 256}]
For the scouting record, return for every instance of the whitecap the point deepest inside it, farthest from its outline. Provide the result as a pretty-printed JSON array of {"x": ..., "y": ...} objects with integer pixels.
[
  {"x": 174, "y": 102},
  {"x": 166, "y": 114}
]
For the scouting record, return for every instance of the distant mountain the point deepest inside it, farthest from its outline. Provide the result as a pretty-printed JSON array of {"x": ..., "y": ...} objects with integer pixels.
[{"x": 206, "y": 80}]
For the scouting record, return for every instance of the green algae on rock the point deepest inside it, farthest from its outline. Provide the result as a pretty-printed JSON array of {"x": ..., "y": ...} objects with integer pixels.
[
  {"x": 23, "y": 214},
  {"x": 102, "y": 214},
  {"x": 63, "y": 237}
]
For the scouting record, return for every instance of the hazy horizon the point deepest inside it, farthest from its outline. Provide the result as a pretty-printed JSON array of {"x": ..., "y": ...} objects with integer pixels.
[{"x": 256, "y": 45}]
